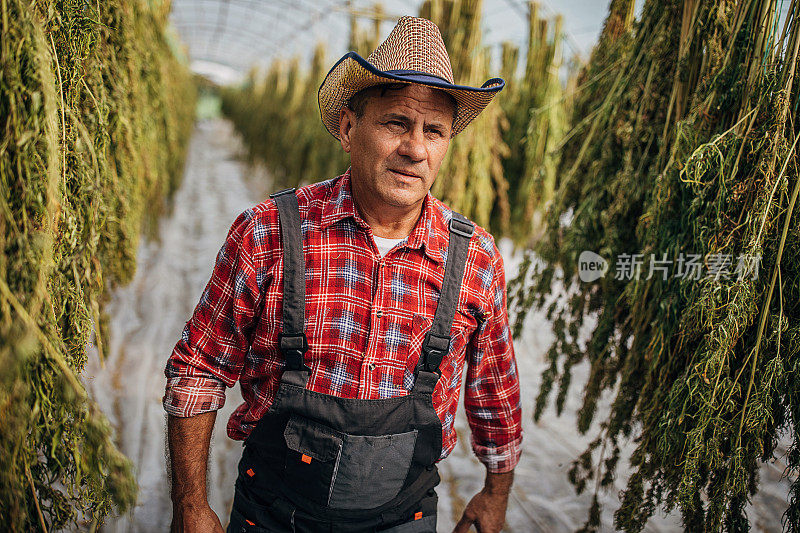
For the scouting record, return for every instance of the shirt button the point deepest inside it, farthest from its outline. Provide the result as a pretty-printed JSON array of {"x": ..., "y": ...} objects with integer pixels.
[
  {"x": 379, "y": 313},
  {"x": 371, "y": 366}
]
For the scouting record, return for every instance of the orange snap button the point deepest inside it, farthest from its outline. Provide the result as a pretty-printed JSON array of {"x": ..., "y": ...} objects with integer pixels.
[
  {"x": 418, "y": 515},
  {"x": 306, "y": 459},
  {"x": 250, "y": 472}
]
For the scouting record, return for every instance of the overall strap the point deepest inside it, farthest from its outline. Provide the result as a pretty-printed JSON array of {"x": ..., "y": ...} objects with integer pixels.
[
  {"x": 437, "y": 341},
  {"x": 293, "y": 342}
]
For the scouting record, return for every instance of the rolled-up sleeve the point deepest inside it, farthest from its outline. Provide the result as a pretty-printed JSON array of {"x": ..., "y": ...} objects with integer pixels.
[
  {"x": 211, "y": 351},
  {"x": 492, "y": 395}
]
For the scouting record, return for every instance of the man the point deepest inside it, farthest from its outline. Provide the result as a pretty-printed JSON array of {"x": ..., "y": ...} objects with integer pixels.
[{"x": 347, "y": 310}]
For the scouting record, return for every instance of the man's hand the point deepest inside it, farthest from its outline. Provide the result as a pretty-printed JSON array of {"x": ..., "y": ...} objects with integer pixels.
[
  {"x": 188, "y": 455},
  {"x": 186, "y": 519},
  {"x": 487, "y": 509}
]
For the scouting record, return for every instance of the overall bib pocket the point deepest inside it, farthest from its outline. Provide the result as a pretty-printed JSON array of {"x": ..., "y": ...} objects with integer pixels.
[
  {"x": 372, "y": 470},
  {"x": 312, "y": 458}
]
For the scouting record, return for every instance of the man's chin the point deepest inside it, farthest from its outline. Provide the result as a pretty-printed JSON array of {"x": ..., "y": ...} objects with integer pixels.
[{"x": 402, "y": 198}]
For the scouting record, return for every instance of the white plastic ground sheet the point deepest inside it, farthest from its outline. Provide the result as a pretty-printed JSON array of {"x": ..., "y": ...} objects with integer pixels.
[{"x": 147, "y": 317}]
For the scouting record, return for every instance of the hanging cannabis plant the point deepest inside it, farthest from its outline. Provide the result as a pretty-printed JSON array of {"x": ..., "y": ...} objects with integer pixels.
[
  {"x": 536, "y": 106},
  {"x": 685, "y": 180},
  {"x": 95, "y": 112},
  {"x": 277, "y": 116}
]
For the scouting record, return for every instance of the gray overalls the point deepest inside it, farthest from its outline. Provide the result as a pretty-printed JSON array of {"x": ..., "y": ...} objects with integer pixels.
[{"x": 317, "y": 462}]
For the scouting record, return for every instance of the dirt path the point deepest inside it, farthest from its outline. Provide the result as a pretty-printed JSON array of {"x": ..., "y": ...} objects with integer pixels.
[{"x": 148, "y": 315}]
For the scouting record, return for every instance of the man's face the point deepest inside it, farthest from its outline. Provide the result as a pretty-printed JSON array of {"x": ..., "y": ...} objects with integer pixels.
[{"x": 396, "y": 147}]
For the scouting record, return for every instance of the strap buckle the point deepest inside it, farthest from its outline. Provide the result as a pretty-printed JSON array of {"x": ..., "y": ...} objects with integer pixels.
[
  {"x": 294, "y": 348},
  {"x": 434, "y": 348},
  {"x": 461, "y": 227}
]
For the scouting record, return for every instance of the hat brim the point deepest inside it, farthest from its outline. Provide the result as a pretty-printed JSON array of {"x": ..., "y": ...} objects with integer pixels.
[{"x": 353, "y": 73}]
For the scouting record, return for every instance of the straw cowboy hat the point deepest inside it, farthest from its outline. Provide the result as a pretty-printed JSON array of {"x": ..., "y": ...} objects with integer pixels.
[{"x": 414, "y": 52}]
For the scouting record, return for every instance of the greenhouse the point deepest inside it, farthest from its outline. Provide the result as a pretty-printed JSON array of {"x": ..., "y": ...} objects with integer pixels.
[{"x": 399, "y": 266}]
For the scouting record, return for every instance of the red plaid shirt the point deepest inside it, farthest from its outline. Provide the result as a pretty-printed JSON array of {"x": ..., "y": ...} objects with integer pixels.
[{"x": 366, "y": 317}]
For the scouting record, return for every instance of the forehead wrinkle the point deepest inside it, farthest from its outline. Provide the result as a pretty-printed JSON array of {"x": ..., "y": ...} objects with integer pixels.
[{"x": 432, "y": 114}]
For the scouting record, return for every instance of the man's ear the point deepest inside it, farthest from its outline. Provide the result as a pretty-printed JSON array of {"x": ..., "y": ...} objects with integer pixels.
[{"x": 346, "y": 120}]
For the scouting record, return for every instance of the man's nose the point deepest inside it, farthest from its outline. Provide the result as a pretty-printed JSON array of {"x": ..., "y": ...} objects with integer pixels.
[{"x": 413, "y": 146}]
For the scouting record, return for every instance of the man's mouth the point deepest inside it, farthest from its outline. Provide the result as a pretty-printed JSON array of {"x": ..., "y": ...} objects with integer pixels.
[{"x": 405, "y": 173}]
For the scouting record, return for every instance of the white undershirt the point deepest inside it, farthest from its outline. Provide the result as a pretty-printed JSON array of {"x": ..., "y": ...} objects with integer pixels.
[{"x": 384, "y": 244}]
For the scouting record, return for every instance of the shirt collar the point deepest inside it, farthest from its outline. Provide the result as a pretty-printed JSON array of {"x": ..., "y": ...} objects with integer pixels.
[{"x": 430, "y": 232}]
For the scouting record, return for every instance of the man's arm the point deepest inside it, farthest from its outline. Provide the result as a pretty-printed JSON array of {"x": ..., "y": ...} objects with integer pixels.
[
  {"x": 209, "y": 357},
  {"x": 188, "y": 440},
  {"x": 487, "y": 509},
  {"x": 492, "y": 403}
]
